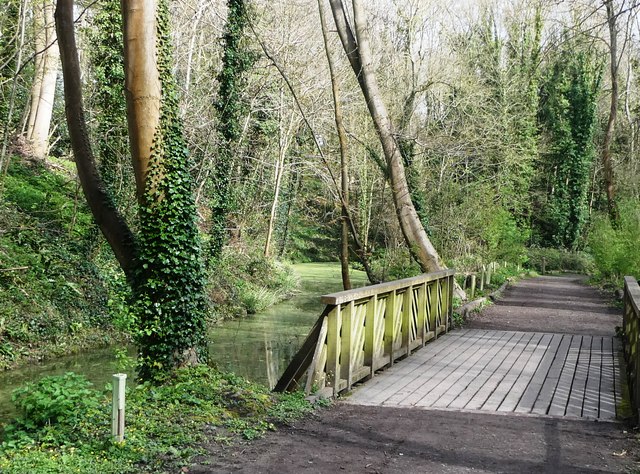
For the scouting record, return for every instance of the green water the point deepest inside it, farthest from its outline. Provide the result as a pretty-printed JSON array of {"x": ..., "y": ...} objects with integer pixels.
[{"x": 257, "y": 347}]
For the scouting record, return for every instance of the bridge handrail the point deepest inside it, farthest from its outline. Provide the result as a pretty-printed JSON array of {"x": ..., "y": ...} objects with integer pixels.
[
  {"x": 365, "y": 329},
  {"x": 631, "y": 327}
]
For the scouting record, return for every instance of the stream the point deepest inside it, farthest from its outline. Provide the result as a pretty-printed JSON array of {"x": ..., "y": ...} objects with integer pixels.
[{"x": 258, "y": 347}]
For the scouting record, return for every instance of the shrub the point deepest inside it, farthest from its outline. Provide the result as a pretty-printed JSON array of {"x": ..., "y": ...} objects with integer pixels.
[
  {"x": 54, "y": 399},
  {"x": 616, "y": 251},
  {"x": 559, "y": 260}
]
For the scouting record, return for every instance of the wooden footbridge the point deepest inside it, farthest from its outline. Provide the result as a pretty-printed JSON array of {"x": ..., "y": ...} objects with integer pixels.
[{"x": 360, "y": 343}]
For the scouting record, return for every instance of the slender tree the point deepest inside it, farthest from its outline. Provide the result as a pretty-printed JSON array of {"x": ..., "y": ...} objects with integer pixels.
[
  {"x": 43, "y": 90},
  {"x": 355, "y": 42}
]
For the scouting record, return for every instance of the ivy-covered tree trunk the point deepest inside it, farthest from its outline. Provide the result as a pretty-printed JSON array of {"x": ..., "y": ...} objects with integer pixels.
[
  {"x": 169, "y": 290},
  {"x": 569, "y": 115},
  {"x": 163, "y": 261},
  {"x": 231, "y": 108}
]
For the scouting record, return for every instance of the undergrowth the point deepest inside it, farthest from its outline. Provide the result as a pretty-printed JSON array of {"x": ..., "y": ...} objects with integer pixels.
[
  {"x": 54, "y": 297},
  {"x": 64, "y": 423}
]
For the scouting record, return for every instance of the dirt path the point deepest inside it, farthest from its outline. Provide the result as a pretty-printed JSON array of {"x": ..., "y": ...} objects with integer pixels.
[
  {"x": 362, "y": 439},
  {"x": 562, "y": 304},
  {"x": 358, "y": 439}
]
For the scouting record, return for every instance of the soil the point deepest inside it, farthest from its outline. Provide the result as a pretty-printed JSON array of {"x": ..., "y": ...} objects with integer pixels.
[{"x": 364, "y": 439}]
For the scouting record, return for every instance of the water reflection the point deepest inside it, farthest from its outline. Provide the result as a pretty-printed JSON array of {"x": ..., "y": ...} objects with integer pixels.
[{"x": 258, "y": 347}]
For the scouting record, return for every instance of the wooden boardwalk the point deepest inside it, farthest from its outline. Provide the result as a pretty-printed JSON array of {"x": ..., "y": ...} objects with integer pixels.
[{"x": 561, "y": 375}]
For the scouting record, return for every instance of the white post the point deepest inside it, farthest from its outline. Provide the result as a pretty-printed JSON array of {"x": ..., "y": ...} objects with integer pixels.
[{"x": 117, "y": 421}]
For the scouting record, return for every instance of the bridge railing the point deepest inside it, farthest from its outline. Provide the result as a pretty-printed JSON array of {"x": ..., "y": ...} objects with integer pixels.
[
  {"x": 366, "y": 329},
  {"x": 631, "y": 327}
]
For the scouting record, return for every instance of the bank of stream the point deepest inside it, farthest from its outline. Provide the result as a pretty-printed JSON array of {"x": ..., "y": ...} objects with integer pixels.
[{"x": 258, "y": 347}]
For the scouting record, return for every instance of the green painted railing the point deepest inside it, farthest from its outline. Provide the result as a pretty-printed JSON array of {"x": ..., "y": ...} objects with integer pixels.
[
  {"x": 631, "y": 326},
  {"x": 363, "y": 330}
]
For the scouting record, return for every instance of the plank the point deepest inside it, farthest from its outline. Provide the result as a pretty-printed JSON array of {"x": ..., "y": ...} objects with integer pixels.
[
  {"x": 531, "y": 392},
  {"x": 400, "y": 375},
  {"x": 607, "y": 402},
  {"x": 543, "y": 402},
  {"x": 512, "y": 398},
  {"x": 429, "y": 368},
  {"x": 481, "y": 396},
  {"x": 463, "y": 399},
  {"x": 464, "y": 367},
  {"x": 506, "y": 384},
  {"x": 591, "y": 400},
  {"x": 474, "y": 372},
  {"x": 580, "y": 378},
  {"x": 436, "y": 373},
  {"x": 563, "y": 388}
]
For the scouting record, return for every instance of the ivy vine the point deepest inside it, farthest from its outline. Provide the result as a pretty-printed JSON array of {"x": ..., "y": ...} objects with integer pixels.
[
  {"x": 169, "y": 292},
  {"x": 231, "y": 108}
]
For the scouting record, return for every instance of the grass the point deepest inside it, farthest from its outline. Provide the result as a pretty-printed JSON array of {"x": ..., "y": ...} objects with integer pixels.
[{"x": 166, "y": 424}]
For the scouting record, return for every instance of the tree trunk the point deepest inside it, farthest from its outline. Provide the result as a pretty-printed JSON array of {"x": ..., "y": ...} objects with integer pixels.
[
  {"x": 44, "y": 80},
  {"x": 357, "y": 49},
  {"x": 142, "y": 83},
  {"x": 344, "y": 158},
  {"x": 104, "y": 212},
  {"x": 607, "y": 165}
]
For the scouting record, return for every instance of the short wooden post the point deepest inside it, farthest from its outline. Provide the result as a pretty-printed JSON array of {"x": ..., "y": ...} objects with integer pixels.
[
  {"x": 488, "y": 276},
  {"x": 482, "y": 277},
  {"x": 473, "y": 286},
  {"x": 117, "y": 420},
  {"x": 544, "y": 266}
]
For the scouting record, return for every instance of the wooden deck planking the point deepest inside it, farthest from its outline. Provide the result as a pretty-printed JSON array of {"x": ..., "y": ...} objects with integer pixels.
[
  {"x": 470, "y": 391},
  {"x": 436, "y": 374},
  {"x": 398, "y": 377},
  {"x": 506, "y": 371},
  {"x": 464, "y": 382},
  {"x": 512, "y": 399},
  {"x": 447, "y": 388}
]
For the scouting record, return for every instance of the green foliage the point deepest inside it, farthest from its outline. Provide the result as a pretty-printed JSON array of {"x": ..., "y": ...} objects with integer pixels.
[
  {"x": 169, "y": 287},
  {"x": 616, "y": 250},
  {"x": 246, "y": 283},
  {"x": 165, "y": 424},
  {"x": 231, "y": 107},
  {"x": 53, "y": 292},
  {"x": 58, "y": 399},
  {"x": 394, "y": 264},
  {"x": 107, "y": 101},
  {"x": 560, "y": 260},
  {"x": 568, "y": 112}
]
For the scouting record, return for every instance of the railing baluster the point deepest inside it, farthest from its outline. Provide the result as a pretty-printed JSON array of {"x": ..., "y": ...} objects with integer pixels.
[
  {"x": 346, "y": 351},
  {"x": 406, "y": 319},
  {"x": 389, "y": 325},
  {"x": 422, "y": 312},
  {"x": 370, "y": 333},
  {"x": 333, "y": 349}
]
